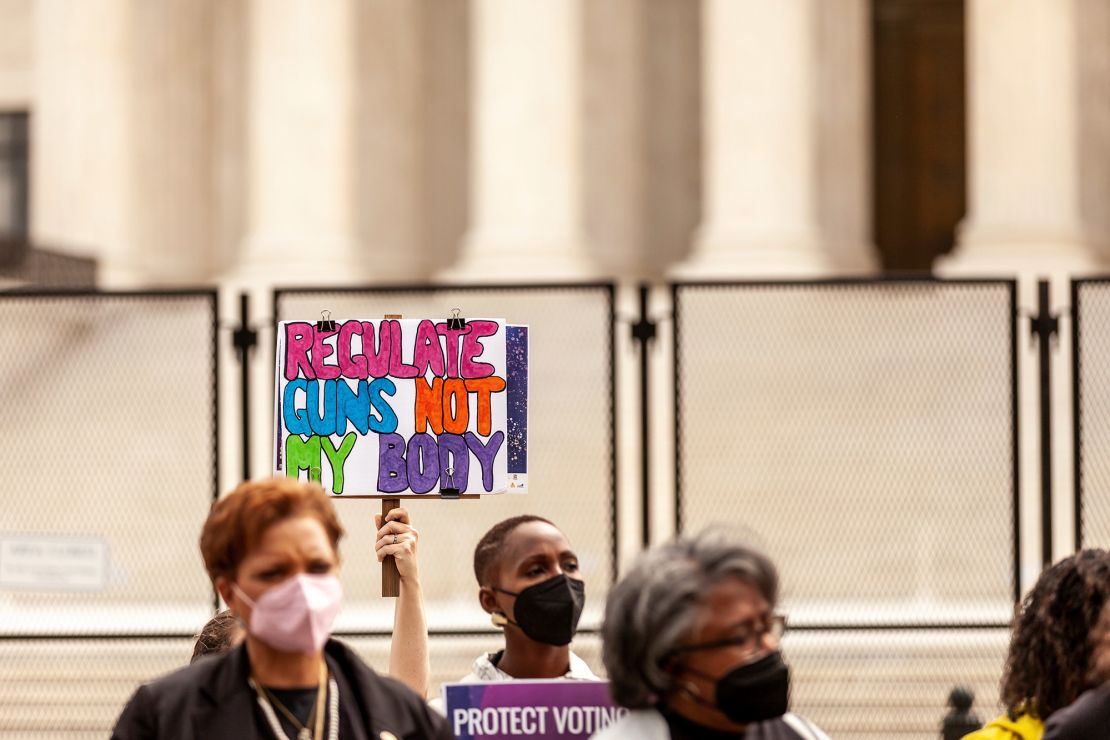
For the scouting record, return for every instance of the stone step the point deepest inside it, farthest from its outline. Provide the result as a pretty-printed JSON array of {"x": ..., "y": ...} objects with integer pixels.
[{"x": 854, "y": 687}]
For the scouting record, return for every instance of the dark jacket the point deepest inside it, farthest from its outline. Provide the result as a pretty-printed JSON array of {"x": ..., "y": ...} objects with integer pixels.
[
  {"x": 211, "y": 700},
  {"x": 1088, "y": 718}
]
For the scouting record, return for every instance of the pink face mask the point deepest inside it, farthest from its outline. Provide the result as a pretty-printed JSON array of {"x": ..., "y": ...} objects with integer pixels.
[{"x": 296, "y": 615}]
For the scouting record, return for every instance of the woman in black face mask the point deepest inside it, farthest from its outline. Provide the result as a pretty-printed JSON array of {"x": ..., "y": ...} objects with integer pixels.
[
  {"x": 691, "y": 643},
  {"x": 530, "y": 586}
]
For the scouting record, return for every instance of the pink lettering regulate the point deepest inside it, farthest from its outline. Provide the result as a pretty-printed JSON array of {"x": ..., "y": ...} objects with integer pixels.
[
  {"x": 298, "y": 341},
  {"x": 352, "y": 366},
  {"x": 428, "y": 355},
  {"x": 320, "y": 352},
  {"x": 469, "y": 367}
]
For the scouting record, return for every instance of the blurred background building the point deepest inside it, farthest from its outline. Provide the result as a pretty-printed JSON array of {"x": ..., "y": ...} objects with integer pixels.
[
  {"x": 254, "y": 144},
  {"x": 184, "y": 141}
]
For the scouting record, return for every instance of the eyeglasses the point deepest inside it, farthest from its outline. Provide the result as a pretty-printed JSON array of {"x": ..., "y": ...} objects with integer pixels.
[{"x": 773, "y": 625}]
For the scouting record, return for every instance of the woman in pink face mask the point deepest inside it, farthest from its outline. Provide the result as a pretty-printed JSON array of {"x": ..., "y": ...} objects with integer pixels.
[
  {"x": 271, "y": 550},
  {"x": 408, "y": 653}
]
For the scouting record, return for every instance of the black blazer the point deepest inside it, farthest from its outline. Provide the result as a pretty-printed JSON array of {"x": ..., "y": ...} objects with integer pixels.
[
  {"x": 211, "y": 700},
  {"x": 1087, "y": 718}
]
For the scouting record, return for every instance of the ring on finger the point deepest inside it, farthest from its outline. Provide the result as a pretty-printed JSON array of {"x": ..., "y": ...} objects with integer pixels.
[{"x": 394, "y": 539}]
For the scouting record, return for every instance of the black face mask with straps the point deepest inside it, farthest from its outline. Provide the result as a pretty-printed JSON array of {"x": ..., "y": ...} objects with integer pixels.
[
  {"x": 549, "y": 611},
  {"x": 751, "y": 692}
]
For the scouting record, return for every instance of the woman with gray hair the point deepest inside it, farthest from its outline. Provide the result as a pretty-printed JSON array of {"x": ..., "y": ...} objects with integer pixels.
[{"x": 691, "y": 644}]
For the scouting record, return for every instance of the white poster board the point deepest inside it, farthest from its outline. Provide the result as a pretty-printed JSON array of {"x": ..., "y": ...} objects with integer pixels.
[
  {"x": 392, "y": 407},
  {"x": 53, "y": 563}
]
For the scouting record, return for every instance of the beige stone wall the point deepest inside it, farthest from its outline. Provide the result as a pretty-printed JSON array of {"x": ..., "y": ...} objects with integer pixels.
[{"x": 16, "y": 64}]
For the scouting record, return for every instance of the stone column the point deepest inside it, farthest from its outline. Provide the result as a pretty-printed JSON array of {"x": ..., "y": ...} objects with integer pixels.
[
  {"x": 16, "y": 54},
  {"x": 526, "y": 213},
  {"x": 1039, "y": 138},
  {"x": 301, "y": 224},
  {"x": 172, "y": 168},
  {"x": 642, "y": 115},
  {"x": 122, "y": 137},
  {"x": 80, "y": 133},
  {"x": 230, "y": 155},
  {"x": 1038, "y": 182},
  {"x": 411, "y": 135},
  {"x": 785, "y": 150}
]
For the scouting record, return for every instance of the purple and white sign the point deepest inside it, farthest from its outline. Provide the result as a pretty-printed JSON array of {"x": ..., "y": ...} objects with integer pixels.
[{"x": 547, "y": 709}]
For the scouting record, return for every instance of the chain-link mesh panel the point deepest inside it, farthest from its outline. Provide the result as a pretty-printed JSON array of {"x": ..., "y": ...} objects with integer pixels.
[
  {"x": 864, "y": 434},
  {"x": 44, "y": 699},
  {"x": 571, "y": 477},
  {"x": 74, "y": 689},
  {"x": 891, "y": 684},
  {"x": 854, "y": 685},
  {"x": 109, "y": 458},
  {"x": 1091, "y": 355}
]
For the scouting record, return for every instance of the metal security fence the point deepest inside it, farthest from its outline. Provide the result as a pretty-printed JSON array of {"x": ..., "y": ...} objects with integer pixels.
[
  {"x": 110, "y": 455},
  {"x": 1090, "y": 301},
  {"x": 863, "y": 684},
  {"x": 865, "y": 434},
  {"x": 572, "y": 431},
  {"x": 862, "y": 431},
  {"x": 74, "y": 687}
]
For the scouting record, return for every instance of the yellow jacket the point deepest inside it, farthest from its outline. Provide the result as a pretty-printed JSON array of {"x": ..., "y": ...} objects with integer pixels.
[{"x": 1025, "y": 727}]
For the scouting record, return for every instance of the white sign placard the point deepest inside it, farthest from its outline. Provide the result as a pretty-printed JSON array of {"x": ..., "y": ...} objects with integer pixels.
[
  {"x": 393, "y": 406},
  {"x": 53, "y": 563}
]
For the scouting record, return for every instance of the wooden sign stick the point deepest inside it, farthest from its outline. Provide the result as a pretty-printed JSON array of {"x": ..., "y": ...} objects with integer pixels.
[{"x": 391, "y": 577}]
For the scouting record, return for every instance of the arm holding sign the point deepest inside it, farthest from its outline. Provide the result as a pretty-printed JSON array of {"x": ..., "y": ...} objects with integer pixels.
[{"x": 408, "y": 653}]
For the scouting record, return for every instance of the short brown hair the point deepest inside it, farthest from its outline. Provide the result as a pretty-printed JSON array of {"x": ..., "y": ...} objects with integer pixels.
[
  {"x": 221, "y": 633},
  {"x": 490, "y": 547},
  {"x": 237, "y": 521}
]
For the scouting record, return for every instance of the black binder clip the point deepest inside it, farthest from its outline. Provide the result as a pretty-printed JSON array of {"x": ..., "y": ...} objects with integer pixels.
[
  {"x": 325, "y": 323},
  {"x": 450, "y": 490},
  {"x": 456, "y": 323}
]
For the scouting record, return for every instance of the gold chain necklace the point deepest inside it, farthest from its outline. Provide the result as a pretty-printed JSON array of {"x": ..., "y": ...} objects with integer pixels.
[{"x": 268, "y": 701}]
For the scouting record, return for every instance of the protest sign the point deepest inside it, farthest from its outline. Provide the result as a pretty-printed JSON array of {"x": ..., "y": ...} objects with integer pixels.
[
  {"x": 562, "y": 710},
  {"x": 393, "y": 407}
]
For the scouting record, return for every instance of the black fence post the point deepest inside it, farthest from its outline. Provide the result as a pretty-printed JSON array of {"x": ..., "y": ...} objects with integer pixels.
[
  {"x": 1043, "y": 328},
  {"x": 643, "y": 331},
  {"x": 1076, "y": 413},
  {"x": 243, "y": 339}
]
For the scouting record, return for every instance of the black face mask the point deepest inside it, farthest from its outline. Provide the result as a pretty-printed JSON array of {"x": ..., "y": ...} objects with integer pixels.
[
  {"x": 753, "y": 692},
  {"x": 548, "y": 611}
]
